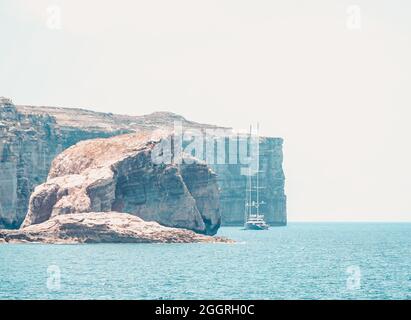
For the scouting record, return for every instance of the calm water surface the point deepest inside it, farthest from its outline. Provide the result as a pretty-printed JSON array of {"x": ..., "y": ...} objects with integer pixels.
[{"x": 300, "y": 261}]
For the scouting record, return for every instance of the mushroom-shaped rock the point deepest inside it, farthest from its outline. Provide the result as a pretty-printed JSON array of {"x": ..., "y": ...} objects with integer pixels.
[{"x": 119, "y": 174}]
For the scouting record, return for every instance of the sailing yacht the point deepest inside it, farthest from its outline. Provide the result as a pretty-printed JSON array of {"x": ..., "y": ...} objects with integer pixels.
[{"x": 254, "y": 218}]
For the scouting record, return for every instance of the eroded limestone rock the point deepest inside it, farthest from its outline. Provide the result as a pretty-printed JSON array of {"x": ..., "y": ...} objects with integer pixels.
[
  {"x": 118, "y": 174},
  {"x": 102, "y": 227}
]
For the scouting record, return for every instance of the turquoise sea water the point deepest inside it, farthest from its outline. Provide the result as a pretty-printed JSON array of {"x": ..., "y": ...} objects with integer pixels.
[{"x": 300, "y": 261}]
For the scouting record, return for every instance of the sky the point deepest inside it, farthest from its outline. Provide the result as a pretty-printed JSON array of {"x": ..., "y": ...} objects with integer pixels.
[{"x": 332, "y": 77}]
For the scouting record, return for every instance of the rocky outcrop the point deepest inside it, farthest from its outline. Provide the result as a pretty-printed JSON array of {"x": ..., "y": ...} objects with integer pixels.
[
  {"x": 118, "y": 174},
  {"x": 32, "y": 136},
  {"x": 102, "y": 227},
  {"x": 29, "y": 141}
]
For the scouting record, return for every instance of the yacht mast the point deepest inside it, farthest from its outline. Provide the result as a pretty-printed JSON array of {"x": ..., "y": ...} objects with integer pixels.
[
  {"x": 250, "y": 189},
  {"x": 257, "y": 178}
]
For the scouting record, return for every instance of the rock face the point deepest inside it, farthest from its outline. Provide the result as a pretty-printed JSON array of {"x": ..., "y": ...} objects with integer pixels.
[
  {"x": 28, "y": 143},
  {"x": 31, "y": 137},
  {"x": 102, "y": 227},
  {"x": 118, "y": 174},
  {"x": 233, "y": 186}
]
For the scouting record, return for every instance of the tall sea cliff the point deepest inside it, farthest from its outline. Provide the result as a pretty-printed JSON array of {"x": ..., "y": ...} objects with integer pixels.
[{"x": 32, "y": 136}]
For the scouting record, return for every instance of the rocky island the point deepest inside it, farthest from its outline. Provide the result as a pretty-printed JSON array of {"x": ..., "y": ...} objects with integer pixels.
[{"x": 47, "y": 172}]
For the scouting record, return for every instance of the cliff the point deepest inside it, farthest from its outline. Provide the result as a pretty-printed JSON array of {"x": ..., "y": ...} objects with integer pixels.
[
  {"x": 233, "y": 185},
  {"x": 31, "y": 137}
]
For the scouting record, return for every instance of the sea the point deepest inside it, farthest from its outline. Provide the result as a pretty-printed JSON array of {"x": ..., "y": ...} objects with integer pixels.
[{"x": 299, "y": 261}]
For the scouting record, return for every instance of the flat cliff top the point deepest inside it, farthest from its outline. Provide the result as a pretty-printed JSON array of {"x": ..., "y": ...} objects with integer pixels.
[
  {"x": 87, "y": 119},
  {"x": 102, "y": 227}
]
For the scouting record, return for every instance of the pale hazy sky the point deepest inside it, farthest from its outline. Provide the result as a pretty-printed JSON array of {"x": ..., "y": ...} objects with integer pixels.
[{"x": 339, "y": 96}]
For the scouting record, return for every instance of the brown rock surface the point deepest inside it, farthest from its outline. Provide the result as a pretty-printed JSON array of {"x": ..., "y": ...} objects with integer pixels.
[
  {"x": 102, "y": 227},
  {"x": 117, "y": 174}
]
